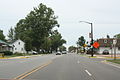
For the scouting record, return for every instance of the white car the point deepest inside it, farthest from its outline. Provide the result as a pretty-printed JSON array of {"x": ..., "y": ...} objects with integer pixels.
[{"x": 58, "y": 53}]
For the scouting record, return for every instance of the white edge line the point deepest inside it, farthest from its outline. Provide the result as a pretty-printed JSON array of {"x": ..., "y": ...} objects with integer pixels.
[
  {"x": 88, "y": 72},
  {"x": 113, "y": 65},
  {"x": 78, "y": 62}
]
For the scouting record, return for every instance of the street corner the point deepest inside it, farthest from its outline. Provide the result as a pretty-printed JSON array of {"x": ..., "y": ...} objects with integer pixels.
[
  {"x": 25, "y": 57},
  {"x": 92, "y": 57},
  {"x": 3, "y": 58},
  {"x": 104, "y": 61}
]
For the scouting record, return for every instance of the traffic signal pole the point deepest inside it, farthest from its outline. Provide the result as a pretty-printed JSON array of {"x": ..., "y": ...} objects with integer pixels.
[
  {"x": 92, "y": 53},
  {"x": 92, "y": 39}
]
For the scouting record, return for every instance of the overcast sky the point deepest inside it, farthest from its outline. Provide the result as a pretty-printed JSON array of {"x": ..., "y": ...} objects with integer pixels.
[{"x": 104, "y": 14}]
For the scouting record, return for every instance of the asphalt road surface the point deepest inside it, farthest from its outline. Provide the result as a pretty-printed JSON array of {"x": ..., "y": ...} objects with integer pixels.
[
  {"x": 76, "y": 67},
  {"x": 58, "y": 67},
  {"x": 12, "y": 68}
]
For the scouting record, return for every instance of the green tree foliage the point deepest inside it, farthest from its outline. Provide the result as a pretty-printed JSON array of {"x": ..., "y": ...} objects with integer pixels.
[
  {"x": 81, "y": 41},
  {"x": 72, "y": 49},
  {"x": 2, "y": 37},
  {"x": 37, "y": 25},
  {"x": 46, "y": 46},
  {"x": 11, "y": 34},
  {"x": 117, "y": 36},
  {"x": 62, "y": 48},
  {"x": 56, "y": 40}
]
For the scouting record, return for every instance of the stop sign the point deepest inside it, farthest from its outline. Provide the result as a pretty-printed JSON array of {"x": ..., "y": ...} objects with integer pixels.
[{"x": 96, "y": 44}]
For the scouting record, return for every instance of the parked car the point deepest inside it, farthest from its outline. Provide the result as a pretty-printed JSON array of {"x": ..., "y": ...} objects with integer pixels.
[
  {"x": 64, "y": 52},
  {"x": 33, "y": 52},
  {"x": 58, "y": 53},
  {"x": 105, "y": 52}
]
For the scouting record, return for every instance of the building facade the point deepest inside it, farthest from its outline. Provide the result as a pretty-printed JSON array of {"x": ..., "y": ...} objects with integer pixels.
[
  {"x": 107, "y": 44},
  {"x": 18, "y": 46}
]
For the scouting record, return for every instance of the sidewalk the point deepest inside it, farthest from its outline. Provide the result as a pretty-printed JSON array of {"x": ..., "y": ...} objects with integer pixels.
[
  {"x": 18, "y": 57},
  {"x": 111, "y": 63},
  {"x": 107, "y": 56}
]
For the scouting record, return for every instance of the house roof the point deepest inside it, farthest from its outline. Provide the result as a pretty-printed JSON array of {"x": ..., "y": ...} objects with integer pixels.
[
  {"x": 16, "y": 41},
  {"x": 107, "y": 42},
  {"x": 3, "y": 42}
]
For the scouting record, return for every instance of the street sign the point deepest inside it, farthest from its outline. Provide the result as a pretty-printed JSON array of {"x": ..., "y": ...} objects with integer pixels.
[
  {"x": 96, "y": 44},
  {"x": 114, "y": 41},
  {"x": 85, "y": 45},
  {"x": 90, "y": 35}
]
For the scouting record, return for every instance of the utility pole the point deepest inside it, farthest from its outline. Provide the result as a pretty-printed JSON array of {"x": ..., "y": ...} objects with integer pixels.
[
  {"x": 92, "y": 39},
  {"x": 114, "y": 43},
  {"x": 92, "y": 53}
]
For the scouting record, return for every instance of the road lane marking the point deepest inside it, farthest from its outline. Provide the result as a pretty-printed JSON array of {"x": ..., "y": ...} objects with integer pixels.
[
  {"x": 22, "y": 76},
  {"x": 112, "y": 64},
  {"x": 88, "y": 72},
  {"x": 78, "y": 62}
]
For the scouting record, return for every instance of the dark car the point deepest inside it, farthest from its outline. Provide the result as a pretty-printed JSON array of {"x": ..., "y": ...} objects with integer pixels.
[
  {"x": 105, "y": 52},
  {"x": 58, "y": 53}
]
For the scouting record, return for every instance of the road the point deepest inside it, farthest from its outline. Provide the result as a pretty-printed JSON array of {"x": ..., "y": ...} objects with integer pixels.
[
  {"x": 58, "y": 67},
  {"x": 11, "y": 68}
]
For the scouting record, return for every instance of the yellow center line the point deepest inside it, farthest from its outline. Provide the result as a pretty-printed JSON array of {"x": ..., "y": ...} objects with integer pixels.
[{"x": 22, "y": 76}]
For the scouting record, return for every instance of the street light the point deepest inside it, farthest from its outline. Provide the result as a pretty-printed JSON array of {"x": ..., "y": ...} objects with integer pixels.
[{"x": 91, "y": 34}]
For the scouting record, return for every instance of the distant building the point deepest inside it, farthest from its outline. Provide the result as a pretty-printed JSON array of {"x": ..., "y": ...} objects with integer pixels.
[
  {"x": 107, "y": 44},
  {"x": 18, "y": 46}
]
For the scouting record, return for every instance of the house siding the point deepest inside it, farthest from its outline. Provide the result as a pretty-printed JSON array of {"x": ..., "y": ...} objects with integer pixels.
[
  {"x": 111, "y": 51},
  {"x": 106, "y": 44},
  {"x": 18, "y": 46}
]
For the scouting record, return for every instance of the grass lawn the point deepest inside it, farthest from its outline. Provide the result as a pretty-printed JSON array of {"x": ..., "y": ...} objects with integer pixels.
[
  {"x": 15, "y": 55},
  {"x": 115, "y": 61}
]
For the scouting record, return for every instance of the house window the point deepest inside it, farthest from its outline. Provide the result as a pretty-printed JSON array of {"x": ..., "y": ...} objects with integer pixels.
[
  {"x": 19, "y": 43},
  {"x": 22, "y": 49},
  {"x": 13, "y": 45},
  {"x": 118, "y": 48},
  {"x": 105, "y": 41}
]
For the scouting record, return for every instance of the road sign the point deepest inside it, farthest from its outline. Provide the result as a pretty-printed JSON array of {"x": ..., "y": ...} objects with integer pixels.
[
  {"x": 90, "y": 35},
  {"x": 96, "y": 44},
  {"x": 85, "y": 45},
  {"x": 114, "y": 41}
]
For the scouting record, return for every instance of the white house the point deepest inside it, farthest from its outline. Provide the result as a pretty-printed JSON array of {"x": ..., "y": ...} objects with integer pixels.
[
  {"x": 107, "y": 44},
  {"x": 18, "y": 46}
]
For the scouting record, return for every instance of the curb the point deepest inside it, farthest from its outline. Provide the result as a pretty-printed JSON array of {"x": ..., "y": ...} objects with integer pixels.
[
  {"x": 111, "y": 63},
  {"x": 21, "y": 57}
]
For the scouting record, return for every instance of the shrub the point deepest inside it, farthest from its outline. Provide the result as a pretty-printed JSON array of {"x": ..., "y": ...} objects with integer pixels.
[
  {"x": 7, "y": 52},
  {"x": 18, "y": 54}
]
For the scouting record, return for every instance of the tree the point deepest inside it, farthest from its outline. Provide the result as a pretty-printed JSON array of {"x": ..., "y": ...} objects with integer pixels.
[
  {"x": 81, "y": 41},
  {"x": 62, "y": 48},
  {"x": 117, "y": 36},
  {"x": 11, "y": 34},
  {"x": 2, "y": 37},
  {"x": 72, "y": 49},
  {"x": 46, "y": 46},
  {"x": 37, "y": 25},
  {"x": 56, "y": 40},
  {"x": 28, "y": 45}
]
